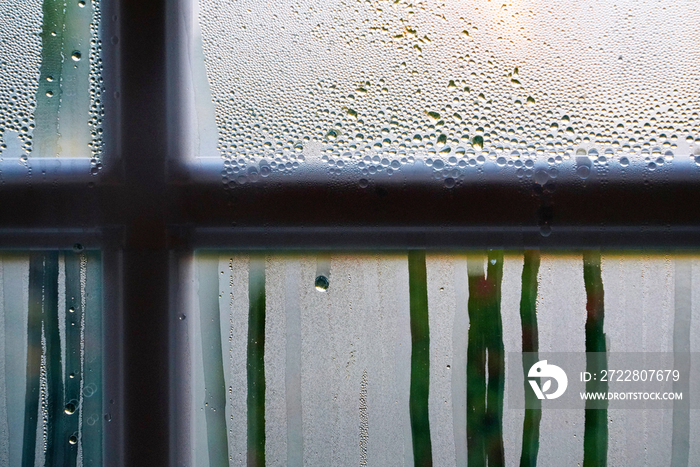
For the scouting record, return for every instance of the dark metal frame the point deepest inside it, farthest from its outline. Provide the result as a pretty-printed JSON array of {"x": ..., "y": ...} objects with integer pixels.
[{"x": 149, "y": 209}]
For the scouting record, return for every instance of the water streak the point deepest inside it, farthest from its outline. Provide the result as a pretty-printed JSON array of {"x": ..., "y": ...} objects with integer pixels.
[
  {"x": 595, "y": 436},
  {"x": 420, "y": 359},
  {"x": 256, "y": 363},
  {"x": 528, "y": 319}
]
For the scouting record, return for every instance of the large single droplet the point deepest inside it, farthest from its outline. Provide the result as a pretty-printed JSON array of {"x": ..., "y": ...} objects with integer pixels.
[
  {"x": 583, "y": 171},
  {"x": 433, "y": 116},
  {"x": 321, "y": 283},
  {"x": 73, "y": 439},
  {"x": 76, "y": 56},
  {"x": 70, "y": 408}
]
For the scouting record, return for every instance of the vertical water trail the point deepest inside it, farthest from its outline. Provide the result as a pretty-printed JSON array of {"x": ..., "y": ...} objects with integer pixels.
[
  {"x": 212, "y": 358},
  {"x": 43, "y": 312},
  {"x": 74, "y": 316},
  {"x": 496, "y": 362},
  {"x": 56, "y": 440},
  {"x": 295, "y": 446},
  {"x": 420, "y": 359},
  {"x": 460, "y": 330},
  {"x": 364, "y": 420},
  {"x": 32, "y": 391},
  {"x": 15, "y": 303},
  {"x": 48, "y": 97},
  {"x": 256, "y": 362},
  {"x": 595, "y": 436},
  {"x": 485, "y": 353},
  {"x": 528, "y": 320},
  {"x": 476, "y": 364},
  {"x": 680, "y": 440}
]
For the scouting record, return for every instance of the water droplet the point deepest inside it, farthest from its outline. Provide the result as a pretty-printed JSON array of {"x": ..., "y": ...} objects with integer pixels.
[
  {"x": 49, "y": 93},
  {"x": 449, "y": 182},
  {"x": 624, "y": 161},
  {"x": 76, "y": 56},
  {"x": 321, "y": 283},
  {"x": 583, "y": 171},
  {"x": 81, "y": 4},
  {"x": 434, "y": 116},
  {"x": 182, "y": 317},
  {"x": 71, "y": 310},
  {"x": 73, "y": 439},
  {"x": 545, "y": 230},
  {"x": 541, "y": 176},
  {"x": 364, "y": 183},
  {"x": 70, "y": 408}
]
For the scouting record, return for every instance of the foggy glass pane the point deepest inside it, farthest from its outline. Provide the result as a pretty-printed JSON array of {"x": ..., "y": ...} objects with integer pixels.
[
  {"x": 365, "y": 371},
  {"x": 380, "y": 86},
  {"x": 50, "y": 358}
]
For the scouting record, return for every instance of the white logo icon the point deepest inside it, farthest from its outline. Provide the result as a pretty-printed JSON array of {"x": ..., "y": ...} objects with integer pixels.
[{"x": 542, "y": 370}]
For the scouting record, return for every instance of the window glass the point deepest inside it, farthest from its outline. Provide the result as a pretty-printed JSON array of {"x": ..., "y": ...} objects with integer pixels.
[
  {"x": 457, "y": 85},
  {"x": 51, "y": 358},
  {"x": 393, "y": 359},
  {"x": 50, "y": 81}
]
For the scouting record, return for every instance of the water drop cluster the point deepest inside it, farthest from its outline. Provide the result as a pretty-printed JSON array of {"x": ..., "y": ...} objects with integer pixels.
[
  {"x": 96, "y": 88},
  {"x": 380, "y": 84},
  {"x": 20, "y": 57}
]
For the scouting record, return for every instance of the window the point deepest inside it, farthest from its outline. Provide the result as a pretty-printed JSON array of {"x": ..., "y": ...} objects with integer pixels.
[{"x": 347, "y": 158}]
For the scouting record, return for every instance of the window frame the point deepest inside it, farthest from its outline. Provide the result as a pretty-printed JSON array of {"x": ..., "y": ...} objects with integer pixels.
[{"x": 155, "y": 203}]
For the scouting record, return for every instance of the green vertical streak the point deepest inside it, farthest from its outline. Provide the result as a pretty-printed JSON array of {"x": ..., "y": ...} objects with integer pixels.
[
  {"x": 485, "y": 347},
  {"x": 214, "y": 383},
  {"x": 256, "y": 363},
  {"x": 32, "y": 392},
  {"x": 420, "y": 359},
  {"x": 496, "y": 362},
  {"x": 595, "y": 437},
  {"x": 45, "y": 135},
  {"x": 54, "y": 397},
  {"x": 528, "y": 320},
  {"x": 93, "y": 417},
  {"x": 74, "y": 316}
]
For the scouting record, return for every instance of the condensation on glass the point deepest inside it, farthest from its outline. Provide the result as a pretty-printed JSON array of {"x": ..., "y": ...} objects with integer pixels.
[
  {"x": 51, "y": 358},
  {"x": 533, "y": 89},
  {"x": 50, "y": 80},
  {"x": 381, "y": 367}
]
